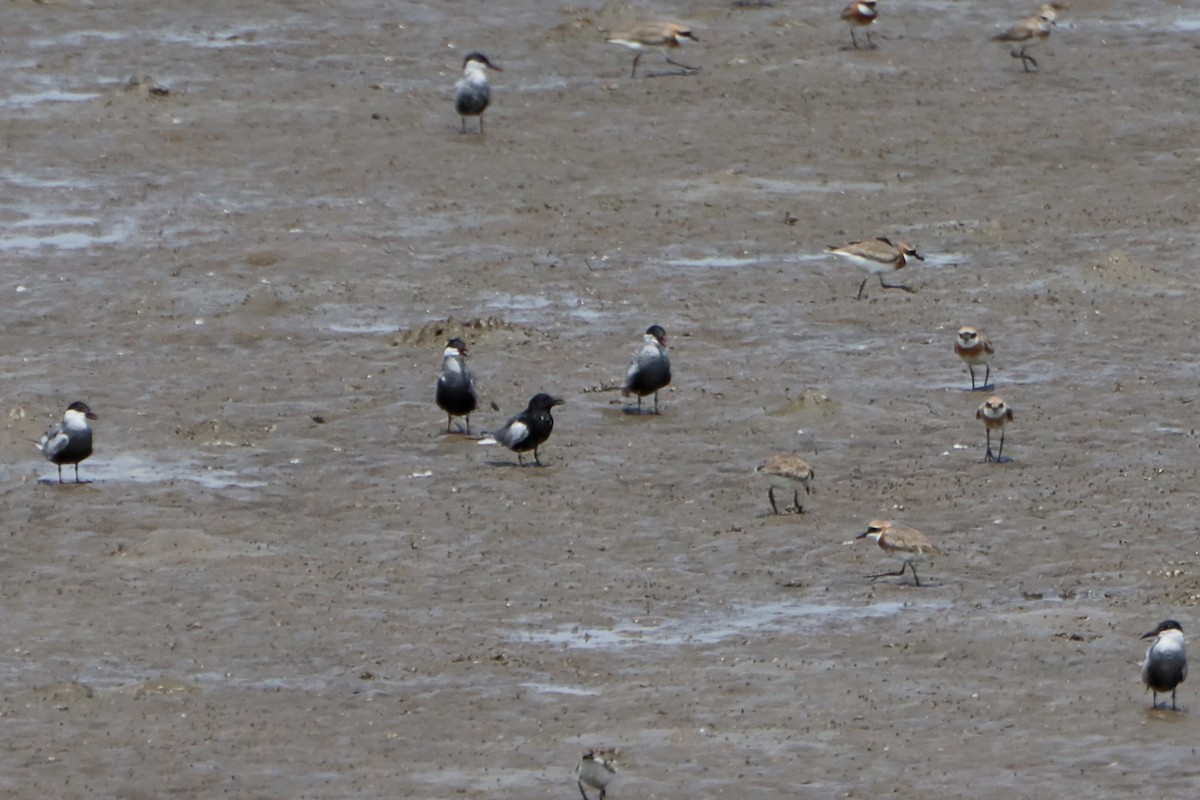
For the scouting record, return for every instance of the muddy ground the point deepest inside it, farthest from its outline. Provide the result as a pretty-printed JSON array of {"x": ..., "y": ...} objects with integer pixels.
[{"x": 285, "y": 581}]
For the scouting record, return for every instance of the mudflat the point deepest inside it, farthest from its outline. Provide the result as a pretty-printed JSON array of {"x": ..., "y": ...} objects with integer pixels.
[{"x": 243, "y": 233}]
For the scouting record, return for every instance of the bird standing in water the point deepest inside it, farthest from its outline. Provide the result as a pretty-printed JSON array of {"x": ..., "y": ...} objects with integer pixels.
[
  {"x": 472, "y": 94},
  {"x": 69, "y": 441},
  {"x": 651, "y": 367},
  {"x": 456, "y": 393}
]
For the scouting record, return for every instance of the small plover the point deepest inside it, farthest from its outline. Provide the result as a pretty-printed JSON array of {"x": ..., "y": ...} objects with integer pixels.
[
  {"x": 1026, "y": 33},
  {"x": 69, "y": 441},
  {"x": 861, "y": 14},
  {"x": 654, "y": 34},
  {"x": 908, "y": 543},
  {"x": 473, "y": 93},
  {"x": 456, "y": 394},
  {"x": 878, "y": 256},
  {"x": 1165, "y": 666},
  {"x": 975, "y": 349},
  {"x": 651, "y": 367},
  {"x": 995, "y": 414},
  {"x": 595, "y": 769},
  {"x": 787, "y": 472},
  {"x": 527, "y": 430}
]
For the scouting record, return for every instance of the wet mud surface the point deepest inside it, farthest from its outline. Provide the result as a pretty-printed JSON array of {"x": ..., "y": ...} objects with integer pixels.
[{"x": 285, "y": 580}]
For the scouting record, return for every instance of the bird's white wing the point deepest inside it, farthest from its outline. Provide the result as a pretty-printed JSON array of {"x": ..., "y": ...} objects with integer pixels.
[
  {"x": 514, "y": 433},
  {"x": 53, "y": 442}
]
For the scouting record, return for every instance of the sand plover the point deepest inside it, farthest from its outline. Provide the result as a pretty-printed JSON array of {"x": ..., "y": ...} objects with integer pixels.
[
  {"x": 878, "y": 256},
  {"x": 995, "y": 414},
  {"x": 456, "y": 394},
  {"x": 651, "y": 368},
  {"x": 1026, "y": 33},
  {"x": 787, "y": 472},
  {"x": 861, "y": 14},
  {"x": 595, "y": 769},
  {"x": 528, "y": 430},
  {"x": 908, "y": 543},
  {"x": 472, "y": 93},
  {"x": 69, "y": 441},
  {"x": 975, "y": 349},
  {"x": 1165, "y": 666},
  {"x": 654, "y": 34}
]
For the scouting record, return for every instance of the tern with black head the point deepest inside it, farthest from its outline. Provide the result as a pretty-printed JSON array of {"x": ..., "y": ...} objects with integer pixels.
[
  {"x": 1165, "y": 666},
  {"x": 456, "y": 392},
  {"x": 651, "y": 367},
  {"x": 473, "y": 93},
  {"x": 69, "y": 441},
  {"x": 528, "y": 430}
]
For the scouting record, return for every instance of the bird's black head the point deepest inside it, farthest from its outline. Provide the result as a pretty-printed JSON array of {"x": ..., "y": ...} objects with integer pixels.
[
  {"x": 481, "y": 58},
  {"x": 458, "y": 344},
  {"x": 543, "y": 402},
  {"x": 1165, "y": 625},
  {"x": 658, "y": 333},
  {"x": 82, "y": 408}
]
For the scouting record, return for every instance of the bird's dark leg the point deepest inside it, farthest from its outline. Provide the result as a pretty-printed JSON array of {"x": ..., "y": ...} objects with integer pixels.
[
  {"x": 467, "y": 419},
  {"x": 972, "y": 371},
  {"x": 987, "y": 376},
  {"x": 639, "y": 397},
  {"x": 636, "y": 59},
  {"x": 1000, "y": 452},
  {"x": 771, "y": 497},
  {"x": 889, "y": 574},
  {"x": 913, "y": 567},
  {"x": 520, "y": 461},
  {"x": 862, "y": 285},
  {"x": 536, "y": 460},
  {"x": 463, "y": 129},
  {"x": 853, "y": 39},
  {"x": 60, "y": 480},
  {"x": 656, "y": 402},
  {"x": 1173, "y": 701},
  {"x": 908, "y": 289},
  {"x": 481, "y": 123},
  {"x": 449, "y": 419},
  {"x": 581, "y": 791},
  {"x": 77, "y": 472},
  {"x": 796, "y": 500},
  {"x": 988, "y": 455},
  {"x": 870, "y": 42},
  {"x": 682, "y": 66}
]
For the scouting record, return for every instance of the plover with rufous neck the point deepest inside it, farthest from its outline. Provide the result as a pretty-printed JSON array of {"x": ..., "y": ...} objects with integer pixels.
[
  {"x": 1025, "y": 34},
  {"x": 788, "y": 472},
  {"x": 878, "y": 256},
  {"x": 1165, "y": 666},
  {"x": 665, "y": 34},
  {"x": 908, "y": 543},
  {"x": 861, "y": 14},
  {"x": 975, "y": 349},
  {"x": 995, "y": 414}
]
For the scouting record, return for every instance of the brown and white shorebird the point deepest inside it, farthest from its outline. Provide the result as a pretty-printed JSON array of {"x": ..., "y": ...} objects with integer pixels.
[
  {"x": 861, "y": 14},
  {"x": 975, "y": 349},
  {"x": 878, "y": 256},
  {"x": 1028, "y": 32},
  {"x": 995, "y": 414},
  {"x": 788, "y": 472},
  {"x": 654, "y": 34},
  {"x": 908, "y": 543},
  {"x": 595, "y": 769}
]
